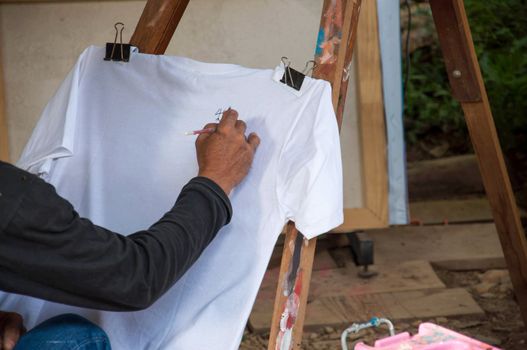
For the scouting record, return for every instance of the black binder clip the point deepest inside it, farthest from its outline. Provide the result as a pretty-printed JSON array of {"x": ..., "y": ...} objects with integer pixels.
[
  {"x": 292, "y": 77},
  {"x": 115, "y": 51}
]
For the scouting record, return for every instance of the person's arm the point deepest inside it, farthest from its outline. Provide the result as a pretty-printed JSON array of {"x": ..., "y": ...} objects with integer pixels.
[{"x": 48, "y": 252}]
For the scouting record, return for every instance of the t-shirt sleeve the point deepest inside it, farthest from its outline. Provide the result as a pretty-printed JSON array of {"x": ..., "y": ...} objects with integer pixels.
[
  {"x": 310, "y": 178},
  {"x": 53, "y": 135}
]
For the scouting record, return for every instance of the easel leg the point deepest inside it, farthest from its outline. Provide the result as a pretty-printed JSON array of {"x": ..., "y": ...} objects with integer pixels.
[
  {"x": 291, "y": 294},
  {"x": 338, "y": 28},
  {"x": 468, "y": 87},
  {"x": 157, "y": 25}
]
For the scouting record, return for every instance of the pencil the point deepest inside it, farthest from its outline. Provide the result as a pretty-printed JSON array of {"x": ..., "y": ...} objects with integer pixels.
[{"x": 199, "y": 132}]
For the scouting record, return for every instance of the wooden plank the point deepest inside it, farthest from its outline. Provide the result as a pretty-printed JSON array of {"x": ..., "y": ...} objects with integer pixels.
[
  {"x": 419, "y": 304},
  {"x": 392, "y": 277},
  {"x": 484, "y": 138},
  {"x": 336, "y": 26},
  {"x": 440, "y": 245},
  {"x": 451, "y": 211},
  {"x": 4, "y": 139},
  {"x": 352, "y": 27},
  {"x": 329, "y": 40},
  {"x": 342, "y": 310},
  {"x": 411, "y": 275},
  {"x": 291, "y": 293},
  {"x": 463, "y": 264},
  {"x": 454, "y": 211},
  {"x": 408, "y": 275},
  {"x": 371, "y": 114},
  {"x": 444, "y": 246},
  {"x": 157, "y": 25}
]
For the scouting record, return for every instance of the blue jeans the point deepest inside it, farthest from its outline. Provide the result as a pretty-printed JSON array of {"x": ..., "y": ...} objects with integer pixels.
[{"x": 65, "y": 332}]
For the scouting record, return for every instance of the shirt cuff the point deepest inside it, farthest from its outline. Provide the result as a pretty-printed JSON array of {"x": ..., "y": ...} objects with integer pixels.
[{"x": 217, "y": 190}]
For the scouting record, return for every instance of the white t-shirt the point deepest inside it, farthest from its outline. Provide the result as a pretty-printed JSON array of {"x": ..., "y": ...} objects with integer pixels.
[{"x": 112, "y": 142}]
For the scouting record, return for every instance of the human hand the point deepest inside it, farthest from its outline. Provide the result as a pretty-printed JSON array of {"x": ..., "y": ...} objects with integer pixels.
[
  {"x": 225, "y": 155},
  {"x": 11, "y": 328}
]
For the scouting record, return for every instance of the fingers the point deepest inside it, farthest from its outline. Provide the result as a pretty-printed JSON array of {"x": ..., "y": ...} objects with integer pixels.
[
  {"x": 229, "y": 123},
  {"x": 206, "y": 134},
  {"x": 228, "y": 120},
  {"x": 12, "y": 330},
  {"x": 211, "y": 126},
  {"x": 253, "y": 140},
  {"x": 241, "y": 126}
]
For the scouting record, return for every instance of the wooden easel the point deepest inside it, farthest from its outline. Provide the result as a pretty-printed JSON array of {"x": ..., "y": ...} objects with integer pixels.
[{"x": 339, "y": 25}]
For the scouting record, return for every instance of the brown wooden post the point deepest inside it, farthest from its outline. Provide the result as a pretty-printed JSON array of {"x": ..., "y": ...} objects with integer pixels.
[
  {"x": 157, "y": 25},
  {"x": 338, "y": 27},
  {"x": 292, "y": 290},
  {"x": 468, "y": 88}
]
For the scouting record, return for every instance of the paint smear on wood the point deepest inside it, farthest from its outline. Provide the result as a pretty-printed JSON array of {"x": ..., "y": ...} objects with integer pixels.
[
  {"x": 292, "y": 288},
  {"x": 329, "y": 38}
]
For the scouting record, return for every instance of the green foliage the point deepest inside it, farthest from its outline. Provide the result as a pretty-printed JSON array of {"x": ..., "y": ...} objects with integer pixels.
[
  {"x": 431, "y": 108},
  {"x": 499, "y": 31}
]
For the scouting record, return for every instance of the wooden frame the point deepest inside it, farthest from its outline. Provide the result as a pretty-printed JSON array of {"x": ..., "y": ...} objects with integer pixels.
[{"x": 374, "y": 213}]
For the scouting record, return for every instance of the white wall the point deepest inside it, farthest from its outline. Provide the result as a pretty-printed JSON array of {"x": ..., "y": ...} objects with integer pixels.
[{"x": 41, "y": 41}]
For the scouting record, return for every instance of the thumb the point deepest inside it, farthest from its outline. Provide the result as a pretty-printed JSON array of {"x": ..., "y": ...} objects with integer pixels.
[
  {"x": 253, "y": 140},
  {"x": 202, "y": 137}
]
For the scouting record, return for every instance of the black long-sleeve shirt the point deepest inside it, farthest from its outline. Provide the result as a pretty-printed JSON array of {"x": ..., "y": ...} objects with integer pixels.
[{"x": 48, "y": 251}]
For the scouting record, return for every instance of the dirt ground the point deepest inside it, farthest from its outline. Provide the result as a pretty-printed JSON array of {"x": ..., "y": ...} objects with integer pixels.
[{"x": 501, "y": 327}]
